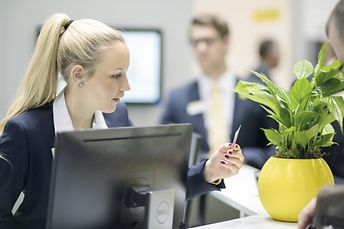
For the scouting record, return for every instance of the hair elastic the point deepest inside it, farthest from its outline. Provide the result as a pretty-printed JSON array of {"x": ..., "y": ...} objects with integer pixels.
[{"x": 67, "y": 24}]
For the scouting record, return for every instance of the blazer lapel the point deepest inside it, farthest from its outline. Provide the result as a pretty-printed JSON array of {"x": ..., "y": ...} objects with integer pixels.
[{"x": 198, "y": 119}]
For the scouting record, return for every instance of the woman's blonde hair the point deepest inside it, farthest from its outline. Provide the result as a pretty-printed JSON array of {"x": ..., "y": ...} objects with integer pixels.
[{"x": 57, "y": 50}]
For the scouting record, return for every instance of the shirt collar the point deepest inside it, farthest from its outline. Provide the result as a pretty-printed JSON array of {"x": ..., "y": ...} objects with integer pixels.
[
  {"x": 62, "y": 120},
  {"x": 226, "y": 82}
]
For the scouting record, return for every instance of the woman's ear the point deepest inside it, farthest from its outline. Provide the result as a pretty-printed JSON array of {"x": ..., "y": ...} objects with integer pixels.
[{"x": 77, "y": 73}]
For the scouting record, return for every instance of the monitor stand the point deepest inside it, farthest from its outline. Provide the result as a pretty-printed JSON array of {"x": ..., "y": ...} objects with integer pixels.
[{"x": 159, "y": 205}]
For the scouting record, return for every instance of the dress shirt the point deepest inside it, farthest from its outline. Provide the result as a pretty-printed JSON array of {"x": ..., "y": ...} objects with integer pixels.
[{"x": 226, "y": 83}]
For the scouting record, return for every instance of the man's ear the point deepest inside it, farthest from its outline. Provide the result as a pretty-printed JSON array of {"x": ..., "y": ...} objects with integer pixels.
[{"x": 77, "y": 73}]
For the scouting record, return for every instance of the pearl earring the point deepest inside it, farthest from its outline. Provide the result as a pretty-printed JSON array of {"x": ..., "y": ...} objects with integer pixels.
[{"x": 81, "y": 84}]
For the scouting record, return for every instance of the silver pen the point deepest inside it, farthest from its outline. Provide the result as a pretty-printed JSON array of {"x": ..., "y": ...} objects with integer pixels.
[{"x": 236, "y": 134}]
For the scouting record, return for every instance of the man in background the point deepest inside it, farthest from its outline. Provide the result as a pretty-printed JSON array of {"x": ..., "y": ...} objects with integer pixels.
[
  {"x": 269, "y": 57},
  {"x": 208, "y": 102}
]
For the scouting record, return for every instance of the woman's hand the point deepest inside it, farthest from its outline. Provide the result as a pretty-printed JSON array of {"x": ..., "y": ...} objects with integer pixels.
[{"x": 225, "y": 162}]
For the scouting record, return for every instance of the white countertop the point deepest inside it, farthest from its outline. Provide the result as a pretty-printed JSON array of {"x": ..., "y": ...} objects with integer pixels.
[
  {"x": 241, "y": 193},
  {"x": 251, "y": 222}
]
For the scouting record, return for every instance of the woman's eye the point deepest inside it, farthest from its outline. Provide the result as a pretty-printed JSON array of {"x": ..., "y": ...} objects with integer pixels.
[{"x": 116, "y": 76}]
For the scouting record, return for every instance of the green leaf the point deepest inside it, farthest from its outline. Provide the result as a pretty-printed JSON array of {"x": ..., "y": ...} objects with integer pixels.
[
  {"x": 258, "y": 93},
  {"x": 328, "y": 129},
  {"x": 325, "y": 118},
  {"x": 272, "y": 135},
  {"x": 335, "y": 65},
  {"x": 331, "y": 87},
  {"x": 325, "y": 140},
  {"x": 304, "y": 137},
  {"x": 303, "y": 69},
  {"x": 299, "y": 91},
  {"x": 321, "y": 61},
  {"x": 335, "y": 105},
  {"x": 285, "y": 117},
  {"x": 305, "y": 119},
  {"x": 326, "y": 76},
  {"x": 280, "y": 94},
  {"x": 312, "y": 132},
  {"x": 301, "y": 138}
]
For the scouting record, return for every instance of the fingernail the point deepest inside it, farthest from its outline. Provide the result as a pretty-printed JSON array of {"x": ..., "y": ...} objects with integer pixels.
[
  {"x": 226, "y": 156},
  {"x": 236, "y": 146},
  {"x": 222, "y": 162},
  {"x": 229, "y": 152}
]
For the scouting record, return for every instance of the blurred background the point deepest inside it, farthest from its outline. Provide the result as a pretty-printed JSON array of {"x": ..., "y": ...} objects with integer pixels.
[{"x": 297, "y": 26}]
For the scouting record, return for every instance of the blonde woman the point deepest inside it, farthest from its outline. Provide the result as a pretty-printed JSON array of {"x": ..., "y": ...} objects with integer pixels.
[{"x": 93, "y": 59}]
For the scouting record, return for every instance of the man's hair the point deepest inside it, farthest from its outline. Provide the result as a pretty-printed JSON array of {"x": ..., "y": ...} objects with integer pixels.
[
  {"x": 338, "y": 16},
  {"x": 219, "y": 24},
  {"x": 265, "y": 47}
]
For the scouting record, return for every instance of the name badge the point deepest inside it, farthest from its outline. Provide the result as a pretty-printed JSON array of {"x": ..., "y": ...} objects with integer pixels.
[{"x": 195, "y": 107}]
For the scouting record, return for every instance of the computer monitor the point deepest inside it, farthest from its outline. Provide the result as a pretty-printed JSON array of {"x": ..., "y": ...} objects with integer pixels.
[
  {"x": 145, "y": 69},
  {"x": 120, "y": 178}
]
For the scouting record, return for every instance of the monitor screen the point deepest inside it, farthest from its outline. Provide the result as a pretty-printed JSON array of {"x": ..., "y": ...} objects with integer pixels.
[
  {"x": 145, "y": 69},
  {"x": 120, "y": 178}
]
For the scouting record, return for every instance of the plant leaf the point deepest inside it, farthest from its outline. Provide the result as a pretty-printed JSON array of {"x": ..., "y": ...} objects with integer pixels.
[
  {"x": 301, "y": 138},
  {"x": 335, "y": 105},
  {"x": 258, "y": 93},
  {"x": 325, "y": 141},
  {"x": 303, "y": 69},
  {"x": 299, "y": 91},
  {"x": 321, "y": 61},
  {"x": 305, "y": 119},
  {"x": 277, "y": 92},
  {"x": 326, "y": 136},
  {"x": 273, "y": 136},
  {"x": 331, "y": 87},
  {"x": 335, "y": 65},
  {"x": 312, "y": 132}
]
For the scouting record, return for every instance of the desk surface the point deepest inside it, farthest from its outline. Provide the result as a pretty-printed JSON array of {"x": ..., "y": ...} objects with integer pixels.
[
  {"x": 241, "y": 193},
  {"x": 251, "y": 222}
]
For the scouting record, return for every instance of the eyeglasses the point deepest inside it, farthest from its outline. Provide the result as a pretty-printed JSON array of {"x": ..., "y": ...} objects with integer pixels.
[{"x": 207, "y": 40}]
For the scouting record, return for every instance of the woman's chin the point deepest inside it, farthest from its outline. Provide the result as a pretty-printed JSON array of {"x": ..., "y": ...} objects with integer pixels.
[{"x": 109, "y": 110}]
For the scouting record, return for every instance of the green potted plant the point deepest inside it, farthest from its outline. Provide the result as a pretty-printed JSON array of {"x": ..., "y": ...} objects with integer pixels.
[{"x": 291, "y": 178}]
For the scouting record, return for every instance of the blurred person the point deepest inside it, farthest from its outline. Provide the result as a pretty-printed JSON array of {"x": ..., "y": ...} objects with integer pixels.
[
  {"x": 269, "y": 57},
  {"x": 335, "y": 33},
  {"x": 208, "y": 102}
]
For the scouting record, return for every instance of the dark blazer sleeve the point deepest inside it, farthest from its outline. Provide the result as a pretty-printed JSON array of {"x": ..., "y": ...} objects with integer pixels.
[
  {"x": 13, "y": 170},
  {"x": 196, "y": 184},
  {"x": 168, "y": 111}
]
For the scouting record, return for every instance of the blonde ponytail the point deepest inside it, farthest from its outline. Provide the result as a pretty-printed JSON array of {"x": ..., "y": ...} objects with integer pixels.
[
  {"x": 39, "y": 84},
  {"x": 57, "y": 50}
]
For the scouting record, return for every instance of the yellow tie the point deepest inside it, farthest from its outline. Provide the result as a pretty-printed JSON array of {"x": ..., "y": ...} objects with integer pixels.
[{"x": 217, "y": 130}]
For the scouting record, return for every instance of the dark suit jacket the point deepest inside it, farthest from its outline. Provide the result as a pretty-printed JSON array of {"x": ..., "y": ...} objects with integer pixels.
[
  {"x": 26, "y": 143},
  {"x": 334, "y": 155},
  {"x": 248, "y": 114}
]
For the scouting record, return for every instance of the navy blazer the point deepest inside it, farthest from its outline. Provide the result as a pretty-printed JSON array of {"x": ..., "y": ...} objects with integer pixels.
[
  {"x": 248, "y": 114},
  {"x": 26, "y": 143}
]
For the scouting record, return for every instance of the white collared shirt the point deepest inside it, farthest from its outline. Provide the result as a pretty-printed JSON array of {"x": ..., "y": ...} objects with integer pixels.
[
  {"x": 226, "y": 83},
  {"x": 62, "y": 120}
]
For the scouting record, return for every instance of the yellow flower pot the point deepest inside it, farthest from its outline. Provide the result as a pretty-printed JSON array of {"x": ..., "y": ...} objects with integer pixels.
[{"x": 285, "y": 186}]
